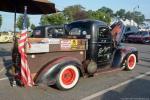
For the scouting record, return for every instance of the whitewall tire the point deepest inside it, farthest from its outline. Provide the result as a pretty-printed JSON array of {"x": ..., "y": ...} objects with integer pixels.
[
  {"x": 131, "y": 62},
  {"x": 68, "y": 77}
]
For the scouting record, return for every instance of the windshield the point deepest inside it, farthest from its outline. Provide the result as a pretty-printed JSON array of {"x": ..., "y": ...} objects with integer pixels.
[
  {"x": 48, "y": 32},
  {"x": 145, "y": 33},
  {"x": 78, "y": 29},
  {"x": 38, "y": 33},
  {"x": 55, "y": 32}
]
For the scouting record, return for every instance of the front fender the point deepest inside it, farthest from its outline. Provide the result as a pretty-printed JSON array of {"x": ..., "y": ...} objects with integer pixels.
[
  {"x": 48, "y": 73},
  {"x": 121, "y": 53}
]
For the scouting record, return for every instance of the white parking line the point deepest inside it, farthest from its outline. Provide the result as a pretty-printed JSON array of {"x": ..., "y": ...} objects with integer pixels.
[
  {"x": 114, "y": 87},
  {"x": 2, "y": 70},
  {"x": 5, "y": 78}
]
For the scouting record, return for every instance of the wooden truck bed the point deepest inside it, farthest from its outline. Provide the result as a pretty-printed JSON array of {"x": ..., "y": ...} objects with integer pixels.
[{"x": 41, "y": 51}]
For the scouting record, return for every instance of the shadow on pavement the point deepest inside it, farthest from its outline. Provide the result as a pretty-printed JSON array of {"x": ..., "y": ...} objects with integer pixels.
[
  {"x": 6, "y": 62},
  {"x": 145, "y": 59},
  {"x": 8, "y": 66},
  {"x": 6, "y": 57},
  {"x": 4, "y": 53},
  {"x": 136, "y": 90},
  {"x": 143, "y": 65}
]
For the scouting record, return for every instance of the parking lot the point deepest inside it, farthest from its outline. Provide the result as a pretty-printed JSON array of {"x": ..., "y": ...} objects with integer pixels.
[{"x": 118, "y": 85}]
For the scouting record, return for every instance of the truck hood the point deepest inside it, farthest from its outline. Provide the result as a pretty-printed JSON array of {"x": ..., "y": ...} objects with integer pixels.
[{"x": 117, "y": 31}]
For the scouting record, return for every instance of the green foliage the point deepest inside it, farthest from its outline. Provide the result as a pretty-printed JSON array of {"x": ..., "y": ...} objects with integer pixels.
[
  {"x": 80, "y": 15},
  {"x": 77, "y": 12},
  {"x": 32, "y": 26},
  {"x": 128, "y": 15},
  {"x": 137, "y": 16},
  {"x": 44, "y": 20},
  {"x": 107, "y": 11},
  {"x": 0, "y": 21},
  {"x": 121, "y": 13},
  {"x": 71, "y": 12},
  {"x": 20, "y": 22},
  {"x": 53, "y": 19},
  {"x": 99, "y": 15}
]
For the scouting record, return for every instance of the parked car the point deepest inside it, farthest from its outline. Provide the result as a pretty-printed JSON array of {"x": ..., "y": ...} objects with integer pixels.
[
  {"x": 125, "y": 36},
  {"x": 6, "y": 37},
  {"x": 87, "y": 49},
  {"x": 127, "y": 30},
  {"x": 139, "y": 37}
]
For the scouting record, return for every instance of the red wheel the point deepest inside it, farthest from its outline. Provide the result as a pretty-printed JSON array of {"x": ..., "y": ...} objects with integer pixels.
[
  {"x": 67, "y": 77},
  {"x": 131, "y": 62}
]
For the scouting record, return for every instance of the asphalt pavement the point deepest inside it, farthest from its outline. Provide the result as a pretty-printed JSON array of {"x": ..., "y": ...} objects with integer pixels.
[
  {"x": 119, "y": 85},
  {"x": 135, "y": 90}
]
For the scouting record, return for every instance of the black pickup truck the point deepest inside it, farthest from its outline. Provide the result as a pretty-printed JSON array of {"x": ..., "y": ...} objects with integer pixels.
[{"x": 86, "y": 48}]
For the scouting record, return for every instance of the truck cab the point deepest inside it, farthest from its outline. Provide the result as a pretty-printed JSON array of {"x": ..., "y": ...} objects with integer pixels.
[
  {"x": 99, "y": 40},
  {"x": 86, "y": 48}
]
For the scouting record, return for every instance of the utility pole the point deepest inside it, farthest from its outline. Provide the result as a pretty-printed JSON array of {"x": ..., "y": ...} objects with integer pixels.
[{"x": 136, "y": 8}]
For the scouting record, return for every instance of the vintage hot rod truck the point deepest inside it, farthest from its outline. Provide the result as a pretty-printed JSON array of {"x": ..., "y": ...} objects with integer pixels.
[{"x": 86, "y": 48}]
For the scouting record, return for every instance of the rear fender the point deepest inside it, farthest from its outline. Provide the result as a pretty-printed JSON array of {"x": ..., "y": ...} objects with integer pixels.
[
  {"x": 48, "y": 73},
  {"x": 121, "y": 54}
]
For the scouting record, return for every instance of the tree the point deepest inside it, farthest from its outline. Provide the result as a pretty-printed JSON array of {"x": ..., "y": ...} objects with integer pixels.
[
  {"x": 32, "y": 26},
  {"x": 129, "y": 15},
  {"x": 80, "y": 15},
  {"x": 44, "y": 20},
  {"x": 90, "y": 13},
  {"x": 71, "y": 11},
  {"x": 107, "y": 11},
  {"x": 99, "y": 15},
  {"x": 121, "y": 13},
  {"x": 20, "y": 22},
  {"x": 53, "y": 19},
  {"x": 0, "y": 20},
  {"x": 102, "y": 16},
  {"x": 138, "y": 17}
]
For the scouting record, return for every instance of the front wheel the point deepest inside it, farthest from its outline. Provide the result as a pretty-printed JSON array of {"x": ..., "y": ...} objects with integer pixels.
[
  {"x": 130, "y": 62},
  {"x": 67, "y": 77}
]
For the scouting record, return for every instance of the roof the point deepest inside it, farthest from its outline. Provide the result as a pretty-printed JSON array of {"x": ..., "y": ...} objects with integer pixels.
[{"x": 91, "y": 22}]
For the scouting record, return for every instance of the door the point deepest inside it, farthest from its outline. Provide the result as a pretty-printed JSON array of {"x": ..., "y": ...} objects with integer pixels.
[{"x": 104, "y": 46}]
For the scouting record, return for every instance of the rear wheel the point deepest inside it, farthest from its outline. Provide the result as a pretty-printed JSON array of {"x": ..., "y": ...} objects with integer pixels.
[
  {"x": 67, "y": 77},
  {"x": 130, "y": 62}
]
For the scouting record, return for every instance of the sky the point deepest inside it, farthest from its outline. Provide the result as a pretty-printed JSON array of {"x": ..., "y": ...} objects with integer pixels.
[{"x": 128, "y": 5}]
